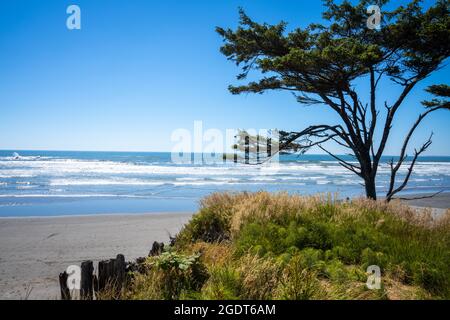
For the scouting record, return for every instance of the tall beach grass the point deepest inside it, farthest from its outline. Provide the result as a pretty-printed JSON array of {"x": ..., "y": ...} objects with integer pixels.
[{"x": 279, "y": 246}]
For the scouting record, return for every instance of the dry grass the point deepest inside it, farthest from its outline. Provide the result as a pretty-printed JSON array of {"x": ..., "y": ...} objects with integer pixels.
[
  {"x": 267, "y": 206},
  {"x": 212, "y": 254},
  {"x": 397, "y": 290},
  {"x": 260, "y": 277}
]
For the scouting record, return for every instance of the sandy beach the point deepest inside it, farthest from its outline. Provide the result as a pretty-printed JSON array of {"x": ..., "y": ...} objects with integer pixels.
[
  {"x": 439, "y": 201},
  {"x": 33, "y": 251}
]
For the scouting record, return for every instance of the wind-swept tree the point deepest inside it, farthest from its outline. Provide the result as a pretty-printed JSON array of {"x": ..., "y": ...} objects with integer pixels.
[{"x": 322, "y": 63}]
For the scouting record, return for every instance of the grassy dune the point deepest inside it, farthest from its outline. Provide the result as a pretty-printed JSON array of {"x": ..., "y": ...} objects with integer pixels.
[{"x": 276, "y": 246}]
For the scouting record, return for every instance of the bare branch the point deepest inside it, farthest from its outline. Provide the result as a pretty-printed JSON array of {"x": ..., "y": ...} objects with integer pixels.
[
  {"x": 420, "y": 198},
  {"x": 403, "y": 156},
  {"x": 424, "y": 147},
  {"x": 389, "y": 119},
  {"x": 344, "y": 163}
]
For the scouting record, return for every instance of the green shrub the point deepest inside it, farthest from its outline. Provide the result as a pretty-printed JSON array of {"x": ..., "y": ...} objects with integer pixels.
[
  {"x": 259, "y": 277},
  {"x": 206, "y": 226},
  {"x": 336, "y": 271},
  {"x": 170, "y": 275},
  {"x": 213, "y": 222},
  {"x": 224, "y": 283},
  {"x": 269, "y": 237},
  {"x": 431, "y": 278},
  {"x": 370, "y": 258},
  {"x": 299, "y": 283},
  {"x": 311, "y": 258}
]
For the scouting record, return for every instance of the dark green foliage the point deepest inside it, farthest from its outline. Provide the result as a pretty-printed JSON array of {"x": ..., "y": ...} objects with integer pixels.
[
  {"x": 327, "y": 246},
  {"x": 298, "y": 282},
  {"x": 441, "y": 93},
  {"x": 223, "y": 284},
  {"x": 178, "y": 273},
  {"x": 277, "y": 238},
  {"x": 325, "y": 59}
]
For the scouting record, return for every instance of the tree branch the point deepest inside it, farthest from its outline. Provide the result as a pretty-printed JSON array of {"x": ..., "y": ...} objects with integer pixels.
[{"x": 424, "y": 147}]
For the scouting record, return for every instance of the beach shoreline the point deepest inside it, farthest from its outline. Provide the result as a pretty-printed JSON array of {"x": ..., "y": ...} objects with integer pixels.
[
  {"x": 437, "y": 203},
  {"x": 428, "y": 200}
]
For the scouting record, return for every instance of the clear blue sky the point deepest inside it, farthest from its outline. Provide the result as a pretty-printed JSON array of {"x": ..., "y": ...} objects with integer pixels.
[{"x": 137, "y": 70}]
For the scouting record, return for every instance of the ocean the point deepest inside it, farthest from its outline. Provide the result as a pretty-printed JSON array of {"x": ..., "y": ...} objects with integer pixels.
[{"x": 52, "y": 183}]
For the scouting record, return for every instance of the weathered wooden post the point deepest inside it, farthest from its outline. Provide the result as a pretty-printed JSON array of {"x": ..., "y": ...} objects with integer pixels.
[
  {"x": 120, "y": 271},
  {"x": 105, "y": 269},
  {"x": 87, "y": 281},
  {"x": 111, "y": 274},
  {"x": 65, "y": 292},
  {"x": 157, "y": 249}
]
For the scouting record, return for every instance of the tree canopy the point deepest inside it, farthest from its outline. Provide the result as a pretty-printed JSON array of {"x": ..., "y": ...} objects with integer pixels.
[{"x": 319, "y": 64}]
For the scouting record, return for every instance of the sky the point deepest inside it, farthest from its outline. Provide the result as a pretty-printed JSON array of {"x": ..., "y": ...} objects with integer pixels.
[{"x": 138, "y": 70}]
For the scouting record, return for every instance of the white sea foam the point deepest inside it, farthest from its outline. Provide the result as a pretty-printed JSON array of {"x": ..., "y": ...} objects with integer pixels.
[
  {"x": 205, "y": 183},
  {"x": 25, "y": 187},
  {"x": 99, "y": 195},
  {"x": 347, "y": 182},
  {"x": 72, "y": 172},
  {"x": 18, "y": 157},
  {"x": 136, "y": 182},
  {"x": 104, "y": 182},
  {"x": 263, "y": 179},
  {"x": 19, "y": 168}
]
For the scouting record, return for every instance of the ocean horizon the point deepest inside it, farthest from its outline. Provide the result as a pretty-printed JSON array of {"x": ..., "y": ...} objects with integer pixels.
[{"x": 65, "y": 183}]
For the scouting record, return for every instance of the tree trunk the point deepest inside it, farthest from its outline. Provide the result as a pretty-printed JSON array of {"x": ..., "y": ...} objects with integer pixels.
[{"x": 371, "y": 192}]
